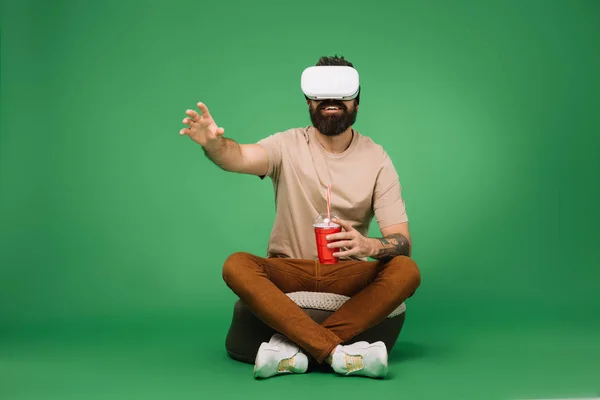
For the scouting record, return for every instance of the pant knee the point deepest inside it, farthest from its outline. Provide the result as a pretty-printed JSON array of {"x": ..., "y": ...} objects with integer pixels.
[
  {"x": 407, "y": 270},
  {"x": 414, "y": 272},
  {"x": 234, "y": 266}
]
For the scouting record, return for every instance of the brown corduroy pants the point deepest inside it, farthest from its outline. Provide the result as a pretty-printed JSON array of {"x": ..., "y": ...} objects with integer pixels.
[{"x": 375, "y": 289}]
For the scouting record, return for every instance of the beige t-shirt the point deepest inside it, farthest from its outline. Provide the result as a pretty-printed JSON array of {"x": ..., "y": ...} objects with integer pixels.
[{"x": 364, "y": 183}]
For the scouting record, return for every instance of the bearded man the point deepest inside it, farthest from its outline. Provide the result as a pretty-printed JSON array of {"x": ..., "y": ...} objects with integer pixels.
[{"x": 303, "y": 163}]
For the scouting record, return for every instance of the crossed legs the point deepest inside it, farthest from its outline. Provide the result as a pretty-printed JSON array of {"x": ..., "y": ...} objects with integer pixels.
[{"x": 375, "y": 290}]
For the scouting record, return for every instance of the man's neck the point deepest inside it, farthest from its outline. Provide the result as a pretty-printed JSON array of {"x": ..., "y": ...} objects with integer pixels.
[{"x": 335, "y": 144}]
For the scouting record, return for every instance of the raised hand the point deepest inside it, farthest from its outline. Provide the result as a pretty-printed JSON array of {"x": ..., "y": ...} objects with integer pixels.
[{"x": 202, "y": 129}]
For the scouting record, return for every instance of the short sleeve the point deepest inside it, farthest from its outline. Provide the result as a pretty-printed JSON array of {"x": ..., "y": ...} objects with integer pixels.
[
  {"x": 273, "y": 145},
  {"x": 388, "y": 205}
]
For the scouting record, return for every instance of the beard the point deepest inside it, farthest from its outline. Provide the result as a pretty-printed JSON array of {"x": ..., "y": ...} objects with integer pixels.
[{"x": 332, "y": 125}]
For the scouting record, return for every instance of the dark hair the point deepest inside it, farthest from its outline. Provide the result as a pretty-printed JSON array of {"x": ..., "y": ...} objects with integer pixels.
[{"x": 337, "y": 61}]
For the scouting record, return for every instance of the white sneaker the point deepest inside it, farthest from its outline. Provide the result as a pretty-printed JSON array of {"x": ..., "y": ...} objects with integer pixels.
[
  {"x": 279, "y": 356},
  {"x": 361, "y": 358}
]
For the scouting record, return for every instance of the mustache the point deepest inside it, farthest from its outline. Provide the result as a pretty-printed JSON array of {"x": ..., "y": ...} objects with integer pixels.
[{"x": 332, "y": 103}]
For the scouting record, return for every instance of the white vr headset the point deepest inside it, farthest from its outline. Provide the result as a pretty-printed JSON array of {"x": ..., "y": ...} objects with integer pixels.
[{"x": 330, "y": 82}]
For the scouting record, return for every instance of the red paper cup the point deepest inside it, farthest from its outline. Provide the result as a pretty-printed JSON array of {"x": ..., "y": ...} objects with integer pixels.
[{"x": 325, "y": 253}]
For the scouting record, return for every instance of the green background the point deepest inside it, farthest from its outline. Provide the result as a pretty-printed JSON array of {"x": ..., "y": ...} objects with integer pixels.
[{"x": 113, "y": 228}]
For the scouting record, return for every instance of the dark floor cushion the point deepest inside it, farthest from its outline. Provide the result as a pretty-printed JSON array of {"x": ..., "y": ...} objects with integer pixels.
[{"x": 247, "y": 332}]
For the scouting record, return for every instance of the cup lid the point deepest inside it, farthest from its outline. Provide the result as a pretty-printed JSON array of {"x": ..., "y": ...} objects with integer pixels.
[{"x": 323, "y": 222}]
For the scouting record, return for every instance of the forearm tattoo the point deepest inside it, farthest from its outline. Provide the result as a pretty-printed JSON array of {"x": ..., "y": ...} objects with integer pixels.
[{"x": 392, "y": 246}]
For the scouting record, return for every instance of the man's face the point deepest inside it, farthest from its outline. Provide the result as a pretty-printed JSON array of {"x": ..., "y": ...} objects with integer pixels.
[{"x": 332, "y": 117}]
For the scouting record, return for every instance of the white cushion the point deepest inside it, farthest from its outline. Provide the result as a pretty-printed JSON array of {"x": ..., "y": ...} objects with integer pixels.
[{"x": 329, "y": 301}]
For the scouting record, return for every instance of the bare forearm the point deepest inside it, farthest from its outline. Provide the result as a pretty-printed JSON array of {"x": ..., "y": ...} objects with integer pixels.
[
  {"x": 390, "y": 246},
  {"x": 225, "y": 153}
]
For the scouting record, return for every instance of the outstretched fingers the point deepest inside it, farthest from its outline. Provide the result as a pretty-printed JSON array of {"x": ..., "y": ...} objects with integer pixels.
[
  {"x": 204, "y": 109},
  {"x": 201, "y": 122},
  {"x": 193, "y": 115},
  {"x": 188, "y": 122}
]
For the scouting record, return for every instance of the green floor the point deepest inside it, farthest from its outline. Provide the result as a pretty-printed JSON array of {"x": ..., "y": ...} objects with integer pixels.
[{"x": 188, "y": 361}]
